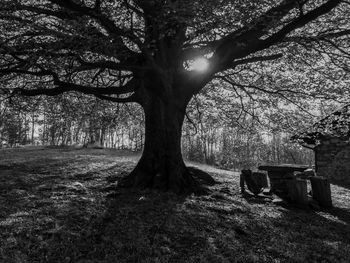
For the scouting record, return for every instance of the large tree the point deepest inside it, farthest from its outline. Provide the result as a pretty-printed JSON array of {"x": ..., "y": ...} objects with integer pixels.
[{"x": 147, "y": 51}]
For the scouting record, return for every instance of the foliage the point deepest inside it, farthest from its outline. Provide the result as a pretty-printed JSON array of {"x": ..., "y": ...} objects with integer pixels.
[
  {"x": 14, "y": 125},
  {"x": 222, "y": 131},
  {"x": 262, "y": 56},
  {"x": 97, "y": 47},
  {"x": 335, "y": 125},
  {"x": 71, "y": 120}
]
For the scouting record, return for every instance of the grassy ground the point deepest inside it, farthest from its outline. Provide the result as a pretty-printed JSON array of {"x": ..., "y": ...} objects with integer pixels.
[{"x": 56, "y": 205}]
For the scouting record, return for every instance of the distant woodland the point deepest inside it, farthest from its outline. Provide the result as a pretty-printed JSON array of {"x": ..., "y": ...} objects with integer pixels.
[{"x": 210, "y": 134}]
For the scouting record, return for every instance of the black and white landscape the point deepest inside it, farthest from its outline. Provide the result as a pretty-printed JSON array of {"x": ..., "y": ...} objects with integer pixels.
[{"x": 174, "y": 131}]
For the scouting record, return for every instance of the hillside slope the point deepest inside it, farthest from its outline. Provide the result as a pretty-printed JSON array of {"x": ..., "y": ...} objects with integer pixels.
[{"x": 60, "y": 205}]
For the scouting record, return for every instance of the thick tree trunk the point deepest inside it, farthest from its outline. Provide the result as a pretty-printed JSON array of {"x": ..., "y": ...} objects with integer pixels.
[{"x": 161, "y": 165}]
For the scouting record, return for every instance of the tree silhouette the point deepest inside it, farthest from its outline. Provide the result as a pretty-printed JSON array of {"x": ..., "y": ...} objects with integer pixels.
[{"x": 158, "y": 53}]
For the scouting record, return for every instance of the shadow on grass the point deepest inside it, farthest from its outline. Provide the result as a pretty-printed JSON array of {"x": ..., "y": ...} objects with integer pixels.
[
  {"x": 256, "y": 199},
  {"x": 300, "y": 234},
  {"x": 136, "y": 228},
  {"x": 309, "y": 236},
  {"x": 55, "y": 214},
  {"x": 51, "y": 214},
  {"x": 341, "y": 184}
]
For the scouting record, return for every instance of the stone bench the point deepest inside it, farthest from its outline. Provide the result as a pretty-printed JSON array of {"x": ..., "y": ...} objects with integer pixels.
[
  {"x": 280, "y": 175},
  {"x": 290, "y": 182}
]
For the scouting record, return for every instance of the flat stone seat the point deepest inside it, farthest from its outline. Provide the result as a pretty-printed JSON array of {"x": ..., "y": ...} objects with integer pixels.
[
  {"x": 285, "y": 168},
  {"x": 279, "y": 176}
]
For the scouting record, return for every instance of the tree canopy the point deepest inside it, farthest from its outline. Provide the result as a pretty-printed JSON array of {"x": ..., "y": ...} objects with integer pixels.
[
  {"x": 147, "y": 51},
  {"x": 105, "y": 48}
]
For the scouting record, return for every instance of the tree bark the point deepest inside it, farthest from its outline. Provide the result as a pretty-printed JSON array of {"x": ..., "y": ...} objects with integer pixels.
[{"x": 161, "y": 165}]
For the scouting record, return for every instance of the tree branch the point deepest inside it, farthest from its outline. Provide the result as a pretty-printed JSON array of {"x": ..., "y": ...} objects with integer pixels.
[
  {"x": 318, "y": 37},
  {"x": 107, "y": 23},
  {"x": 67, "y": 87},
  {"x": 247, "y": 40},
  {"x": 62, "y": 86},
  {"x": 131, "y": 98},
  {"x": 253, "y": 60},
  {"x": 75, "y": 11},
  {"x": 110, "y": 65},
  {"x": 234, "y": 43},
  {"x": 300, "y": 22}
]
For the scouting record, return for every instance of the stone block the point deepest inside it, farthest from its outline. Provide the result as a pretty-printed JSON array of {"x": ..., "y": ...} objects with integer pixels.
[
  {"x": 297, "y": 191},
  {"x": 321, "y": 191}
]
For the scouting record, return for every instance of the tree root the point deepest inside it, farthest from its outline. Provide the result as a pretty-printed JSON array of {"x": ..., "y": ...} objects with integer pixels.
[{"x": 190, "y": 180}]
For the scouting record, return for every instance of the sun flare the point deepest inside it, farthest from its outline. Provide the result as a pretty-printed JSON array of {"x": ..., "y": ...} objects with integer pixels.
[{"x": 200, "y": 64}]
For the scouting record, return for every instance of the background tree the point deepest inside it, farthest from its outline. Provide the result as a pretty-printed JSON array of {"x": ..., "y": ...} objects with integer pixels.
[{"x": 146, "y": 52}]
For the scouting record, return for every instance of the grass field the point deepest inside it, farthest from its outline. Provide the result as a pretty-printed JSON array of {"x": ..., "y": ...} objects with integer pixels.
[{"x": 60, "y": 205}]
